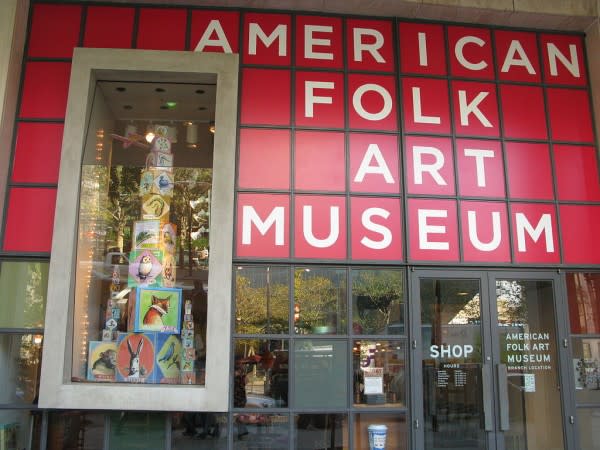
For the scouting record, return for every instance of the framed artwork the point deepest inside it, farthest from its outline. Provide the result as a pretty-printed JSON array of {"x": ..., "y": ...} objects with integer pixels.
[
  {"x": 146, "y": 234},
  {"x": 102, "y": 361},
  {"x": 145, "y": 268},
  {"x": 158, "y": 309},
  {"x": 135, "y": 357},
  {"x": 168, "y": 358},
  {"x": 168, "y": 237},
  {"x": 154, "y": 206},
  {"x": 169, "y": 268}
]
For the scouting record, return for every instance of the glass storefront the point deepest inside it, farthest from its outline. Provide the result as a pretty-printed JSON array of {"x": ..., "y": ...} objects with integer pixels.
[
  {"x": 144, "y": 224},
  {"x": 583, "y": 295}
]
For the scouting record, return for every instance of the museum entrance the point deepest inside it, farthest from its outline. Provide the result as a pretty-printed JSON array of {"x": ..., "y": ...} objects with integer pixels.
[{"x": 488, "y": 344}]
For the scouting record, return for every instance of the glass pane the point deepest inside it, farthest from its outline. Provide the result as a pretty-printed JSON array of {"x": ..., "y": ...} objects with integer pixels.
[
  {"x": 390, "y": 428},
  {"x": 23, "y": 286},
  {"x": 588, "y": 423},
  {"x": 322, "y": 431},
  {"x": 320, "y": 371},
  {"x": 75, "y": 430},
  {"x": 20, "y": 362},
  {"x": 452, "y": 364},
  {"x": 199, "y": 430},
  {"x": 144, "y": 223},
  {"x": 261, "y": 431},
  {"x": 137, "y": 430},
  {"x": 262, "y": 300},
  {"x": 586, "y": 368},
  {"x": 378, "y": 301},
  {"x": 20, "y": 429},
  {"x": 583, "y": 292},
  {"x": 379, "y": 373},
  {"x": 526, "y": 328},
  {"x": 261, "y": 373},
  {"x": 320, "y": 301}
]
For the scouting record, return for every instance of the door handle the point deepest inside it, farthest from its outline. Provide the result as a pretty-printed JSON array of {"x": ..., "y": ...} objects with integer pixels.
[
  {"x": 486, "y": 385},
  {"x": 502, "y": 374}
]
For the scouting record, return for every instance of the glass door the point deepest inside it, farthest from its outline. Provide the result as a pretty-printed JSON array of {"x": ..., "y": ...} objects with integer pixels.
[
  {"x": 486, "y": 349},
  {"x": 526, "y": 362}
]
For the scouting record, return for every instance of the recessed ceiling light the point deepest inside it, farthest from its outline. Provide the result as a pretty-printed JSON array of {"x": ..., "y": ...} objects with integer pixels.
[
  {"x": 128, "y": 107},
  {"x": 171, "y": 105},
  {"x": 202, "y": 108},
  {"x": 159, "y": 89},
  {"x": 164, "y": 107},
  {"x": 120, "y": 89},
  {"x": 199, "y": 91}
]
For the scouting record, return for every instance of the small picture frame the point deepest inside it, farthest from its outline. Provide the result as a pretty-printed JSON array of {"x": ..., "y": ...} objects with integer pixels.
[
  {"x": 145, "y": 268},
  {"x": 146, "y": 234},
  {"x": 102, "y": 361},
  {"x": 158, "y": 309}
]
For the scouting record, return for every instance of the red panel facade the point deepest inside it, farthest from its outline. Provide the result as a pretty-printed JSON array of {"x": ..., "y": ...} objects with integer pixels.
[{"x": 484, "y": 136}]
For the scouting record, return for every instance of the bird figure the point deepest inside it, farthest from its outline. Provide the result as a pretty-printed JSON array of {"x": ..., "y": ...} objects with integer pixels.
[
  {"x": 145, "y": 267},
  {"x": 169, "y": 353},
  {"x": 175, "y": 362}
]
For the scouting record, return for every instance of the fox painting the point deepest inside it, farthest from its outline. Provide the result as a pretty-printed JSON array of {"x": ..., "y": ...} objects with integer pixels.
[{"x": 156, "y": 311}]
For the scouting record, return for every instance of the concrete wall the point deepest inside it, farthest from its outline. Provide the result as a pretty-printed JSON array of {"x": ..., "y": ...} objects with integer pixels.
[{"x": 13, "y": 24}]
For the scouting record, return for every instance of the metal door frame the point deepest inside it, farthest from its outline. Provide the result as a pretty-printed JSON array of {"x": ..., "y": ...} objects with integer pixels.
[{"x": 490, "y": 346}]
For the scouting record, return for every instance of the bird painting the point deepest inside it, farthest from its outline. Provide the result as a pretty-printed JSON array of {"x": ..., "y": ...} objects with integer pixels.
[
  {"x": 145, "y": 267},
  {"x": 169, "y": 353}
]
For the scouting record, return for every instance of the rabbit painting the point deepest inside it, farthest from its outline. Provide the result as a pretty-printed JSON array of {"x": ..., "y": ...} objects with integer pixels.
[{"x": 135, "y": 369}]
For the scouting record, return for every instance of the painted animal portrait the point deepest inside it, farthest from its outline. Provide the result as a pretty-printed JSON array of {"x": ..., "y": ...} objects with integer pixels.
[
  {"x": 106, "y": 363},
  {"x": 156, "y": 311}
]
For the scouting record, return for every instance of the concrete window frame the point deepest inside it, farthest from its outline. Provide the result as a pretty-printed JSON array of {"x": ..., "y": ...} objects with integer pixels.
[{"x": 56, "y": 388}]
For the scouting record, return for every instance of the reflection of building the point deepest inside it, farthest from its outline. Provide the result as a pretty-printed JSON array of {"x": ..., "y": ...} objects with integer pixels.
[{"x": 317, "y": 169}]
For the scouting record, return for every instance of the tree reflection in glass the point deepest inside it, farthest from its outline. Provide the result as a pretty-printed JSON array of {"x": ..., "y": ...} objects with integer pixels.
[{"x": 377, "y": 301}]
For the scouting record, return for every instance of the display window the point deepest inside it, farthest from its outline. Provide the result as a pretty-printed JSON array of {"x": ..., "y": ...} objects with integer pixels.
[
  {"x": 25, "y": 283},
  {"x": 145, "y": 197},
  {"x": 144, "y": 229}
]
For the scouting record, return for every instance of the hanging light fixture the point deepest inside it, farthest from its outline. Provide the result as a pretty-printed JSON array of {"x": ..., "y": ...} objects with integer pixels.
[
  {"x": 191, "y": 134},
  {"x": 211, "y": 127}
]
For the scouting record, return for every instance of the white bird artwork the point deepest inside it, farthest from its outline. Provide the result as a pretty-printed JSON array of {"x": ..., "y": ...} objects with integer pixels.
[{"x": 145, "y": 267}]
